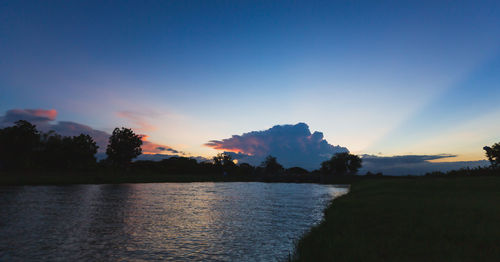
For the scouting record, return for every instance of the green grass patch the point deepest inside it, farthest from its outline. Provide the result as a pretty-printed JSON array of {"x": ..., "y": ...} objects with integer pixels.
[{"x": 419, "y": 219}]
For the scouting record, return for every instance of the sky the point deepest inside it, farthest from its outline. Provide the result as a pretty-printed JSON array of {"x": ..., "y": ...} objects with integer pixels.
[{"x": 378, "y": 78}]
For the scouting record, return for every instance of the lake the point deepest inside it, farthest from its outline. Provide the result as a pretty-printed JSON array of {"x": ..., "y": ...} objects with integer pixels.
[{"x": 158, "y": 221}]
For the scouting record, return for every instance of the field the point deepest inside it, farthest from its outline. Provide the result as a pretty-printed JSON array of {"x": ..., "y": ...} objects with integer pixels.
[{"x": 414, "y": 219}]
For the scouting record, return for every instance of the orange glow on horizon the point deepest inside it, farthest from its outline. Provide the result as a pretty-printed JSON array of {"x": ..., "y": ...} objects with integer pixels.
[{"x": 460, "y": 158}]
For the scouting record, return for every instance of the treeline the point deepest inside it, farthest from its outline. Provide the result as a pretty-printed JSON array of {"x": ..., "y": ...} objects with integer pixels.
[
  {"x": 493, "y": 155},
  {"x": 476, "y": 171},
  {"x": 224, "y": 166},
  {"x": 340, "y": 165},
  {"x": 24, "y": 148}
]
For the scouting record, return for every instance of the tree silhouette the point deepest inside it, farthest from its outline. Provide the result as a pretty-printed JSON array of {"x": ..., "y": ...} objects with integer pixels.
[
  {"x": 271, "y": 166},
  {"x": 58, "y": 152},
  {"x": 82, "y": 150},
  {"x": 18, "y": 145},
  {"x": 341, "y": 164},
  {"x": 296, "y": 171},
  {"x": 246, "y": 169},
  {"x": 223, "y": 160},
  {"x": 493, "y": 155},
  {"x": 52, "y": 154},
  {"x": 124, "y": 145}
]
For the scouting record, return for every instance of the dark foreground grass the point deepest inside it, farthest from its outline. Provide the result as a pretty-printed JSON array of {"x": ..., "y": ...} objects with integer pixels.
[{"x": 420, "y": 219}]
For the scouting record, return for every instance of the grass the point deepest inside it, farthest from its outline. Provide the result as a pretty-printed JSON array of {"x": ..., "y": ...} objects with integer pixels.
[{"x": 419, "y": 219}]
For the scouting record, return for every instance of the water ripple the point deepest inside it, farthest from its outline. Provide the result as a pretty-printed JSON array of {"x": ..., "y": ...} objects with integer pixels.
[{"x": 158, "y": 222}]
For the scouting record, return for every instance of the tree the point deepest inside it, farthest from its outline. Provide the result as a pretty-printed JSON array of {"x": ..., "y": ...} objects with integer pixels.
[
  {"x": 52, "y": 154},
  {"x": 271, "y": 166},
  {"x": 58, "y": 152},
  {"x": 124, "y": 145},
  {"x": 81, "y": 151},
  {"x": 341, "y": 164},
  {"x": 296, "y": 171},
  {"x": 493, "y": 155},
  {"x": 223, "y": 160},
  {"x": 245, "y": 169},
  {"x": 18, "y": 144}
]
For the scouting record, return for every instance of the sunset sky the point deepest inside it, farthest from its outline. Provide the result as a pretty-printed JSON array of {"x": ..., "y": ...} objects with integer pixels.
[{"x": 380, "y": 78}]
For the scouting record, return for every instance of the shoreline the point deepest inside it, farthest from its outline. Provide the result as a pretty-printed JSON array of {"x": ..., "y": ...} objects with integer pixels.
[
  {"x": 431, "y": 219},
  {"x": 69, "y": 178}
]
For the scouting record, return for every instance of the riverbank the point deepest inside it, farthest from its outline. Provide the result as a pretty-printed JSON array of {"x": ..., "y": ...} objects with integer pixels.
[
  {"x": 423, "y": 219},
  {"x": 68, "y": 178},
  {"x": 101, "y": 177}
]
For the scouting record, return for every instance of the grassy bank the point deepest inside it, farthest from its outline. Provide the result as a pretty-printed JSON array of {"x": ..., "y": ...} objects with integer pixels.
[{"x": 420, "y": 219}]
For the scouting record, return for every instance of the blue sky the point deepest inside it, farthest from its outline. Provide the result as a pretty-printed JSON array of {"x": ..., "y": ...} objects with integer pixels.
[{"x": 377, "y": 77}]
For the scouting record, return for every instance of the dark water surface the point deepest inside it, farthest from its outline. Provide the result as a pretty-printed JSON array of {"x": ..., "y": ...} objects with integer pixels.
[{"x": 158, "y": 222}]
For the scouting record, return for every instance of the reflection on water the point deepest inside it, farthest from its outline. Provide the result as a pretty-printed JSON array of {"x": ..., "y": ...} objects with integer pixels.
[{"x": 164, "y": 221}]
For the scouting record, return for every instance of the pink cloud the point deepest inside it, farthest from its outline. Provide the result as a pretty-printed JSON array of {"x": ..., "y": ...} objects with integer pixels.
[
  {"x": 31, "y": 115},
  {"x": 149, "y": 147},
  {"x": 137, "y": 119}
]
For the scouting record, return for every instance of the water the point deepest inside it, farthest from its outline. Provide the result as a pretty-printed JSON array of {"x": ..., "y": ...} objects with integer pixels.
[{"x": 158, "y": 222}]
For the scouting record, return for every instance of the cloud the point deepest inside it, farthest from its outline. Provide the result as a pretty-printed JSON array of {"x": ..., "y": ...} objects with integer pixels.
[
  {"x": 162, "y": 148},
  {"x": 36, "y": 116},
  {"x": 292, "y": 145},
  {"x": 403, "y": 160},
  {"x": 149, "y": 147},
  {"x": 413, "y": 164},
  {"x": 138, "y": 119},
  {"x": 67, "y": 128},
  {"x": 159, "y": 157}
]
